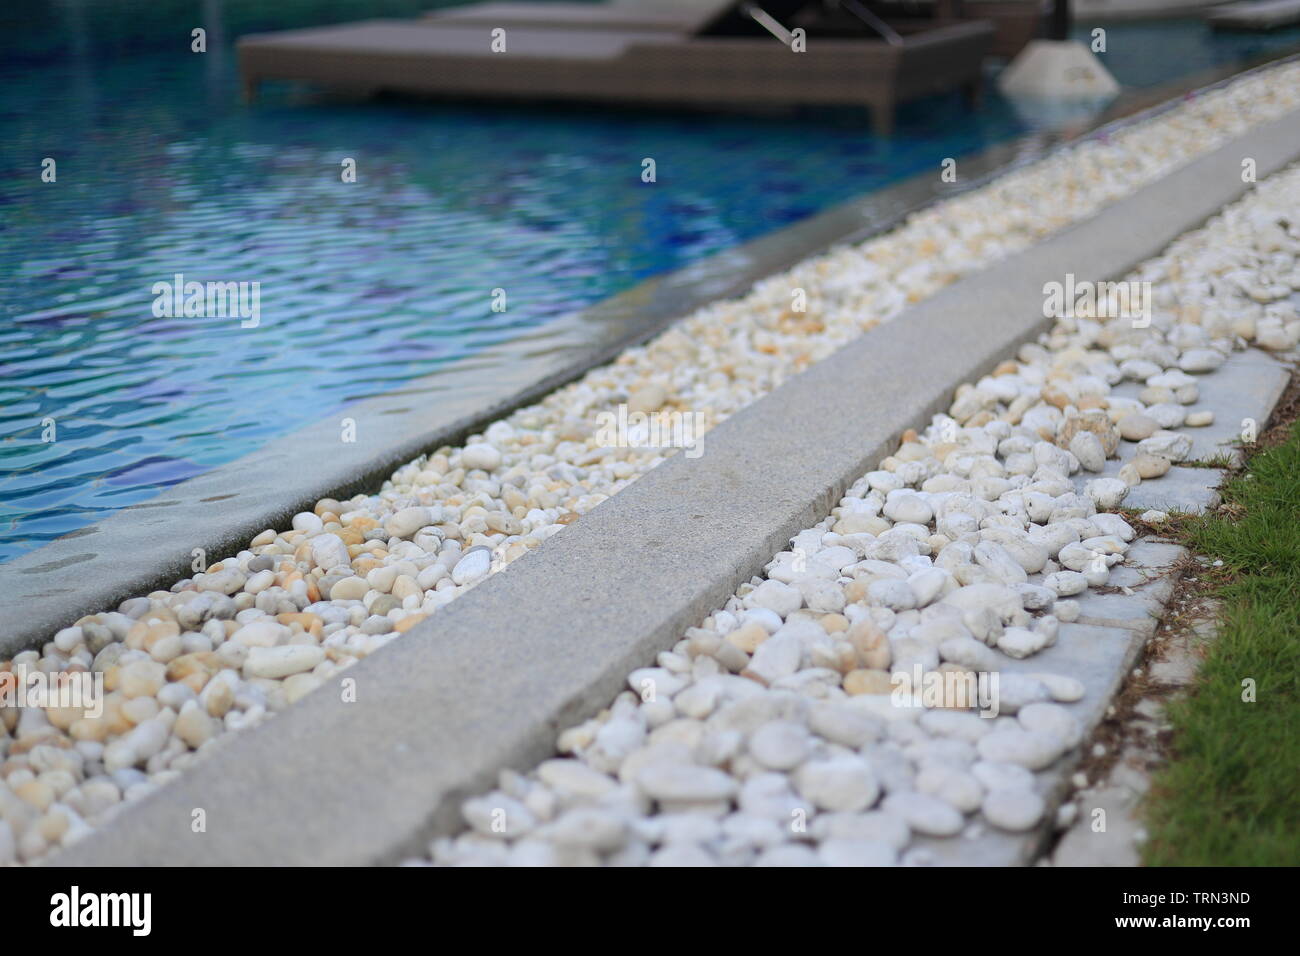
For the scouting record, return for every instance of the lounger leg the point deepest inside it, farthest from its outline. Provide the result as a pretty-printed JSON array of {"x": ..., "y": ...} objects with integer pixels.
[
  {"x": 250, "y": 89},
  {"x": 974, "y": 94}
]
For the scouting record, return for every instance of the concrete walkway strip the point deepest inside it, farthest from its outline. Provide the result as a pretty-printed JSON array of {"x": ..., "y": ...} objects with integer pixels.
[{"x": 488, "y": 681}]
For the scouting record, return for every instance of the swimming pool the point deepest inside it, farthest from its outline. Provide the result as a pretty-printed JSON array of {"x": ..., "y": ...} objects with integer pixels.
[{"x": 363, "y": 285}]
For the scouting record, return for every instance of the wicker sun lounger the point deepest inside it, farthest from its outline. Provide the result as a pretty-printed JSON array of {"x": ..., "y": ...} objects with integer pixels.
[
  {"x": 728, "y": 62},
  {"x": 674, "y": 18},
  {"x": 1255, "y": 15},
  {"x": 1015, "y": 21}
]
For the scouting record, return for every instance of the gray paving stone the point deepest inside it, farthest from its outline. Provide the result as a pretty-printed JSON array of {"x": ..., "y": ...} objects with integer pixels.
[
  {"x": 1151, "y": 554},
  {"x": 1137, "y": 590},
  {"x": 1246, "y": 386},
  {"x": 1178, "y": 670},
  {"x": 1138, "y": 612},
  {"x": 1116, "y": 845},
  {"x": 1186, "y": 490},
  {"x": 1100, "y": 657}
]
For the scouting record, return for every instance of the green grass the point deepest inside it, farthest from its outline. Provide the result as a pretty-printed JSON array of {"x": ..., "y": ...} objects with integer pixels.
[
  {"x": 1214, "y": 461},
  {"x": 1230, "y": 795}
]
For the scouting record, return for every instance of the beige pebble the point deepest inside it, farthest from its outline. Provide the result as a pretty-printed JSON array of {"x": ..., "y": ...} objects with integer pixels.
[
  {"x": 89, "y": 728},
  {"x": 143, "y": 634},
  {"x": 647, "y": 397},
  {"x": 1149, "y": 466},
  {"x": 310, "y": 623},
  {"x": 259, "y": 582},
  {"x": 503, "y": 523},
  {"x": 871, "y": 644},
  {"x": 261, "y": 633},
  {"x": 36, "y": 793},
  {"x": 202, "y": 662},
  {"x": 139, "y": 709},
  {"x": 381, "y": 578},
  {"x": 217, "y": 698},
  {"x": 349, "y": 589},
  {"x": 53, "y": 825},
  {"x": 166, "y": 648},
  {"x": 141, "y": 678},
  {"x": 194, "y": 725},
  {"x": 865, "y": 681},
  {"x": 834, "y": 623},
  {"x": 408, "y": 622},
  {"x": 282, "y": 661},
  {"x": 748, "y": 636},
  {"x": 297, "y": 686},
  {"x": 64, "y": 717},
  {"x": 1136, "y": 426},
  {"x": 1156, "y": 395}
]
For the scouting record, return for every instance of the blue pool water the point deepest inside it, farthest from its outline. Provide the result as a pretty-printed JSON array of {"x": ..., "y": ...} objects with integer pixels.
[{"x": 162, "y": 170}]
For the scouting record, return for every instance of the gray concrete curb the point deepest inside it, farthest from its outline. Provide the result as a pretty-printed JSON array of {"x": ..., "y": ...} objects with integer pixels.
[
  {"x": 487, "y": 682},
  {"x": 149, "y": 545}
]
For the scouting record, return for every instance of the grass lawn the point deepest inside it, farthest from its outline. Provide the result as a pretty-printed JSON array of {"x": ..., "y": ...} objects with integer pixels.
[{"x": 1230, "y": 795}]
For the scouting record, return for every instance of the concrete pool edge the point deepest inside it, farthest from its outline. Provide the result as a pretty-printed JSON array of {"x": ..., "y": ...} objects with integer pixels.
[
  {"x": 482, "y": 686},
  {"x": 149, "y": 545}
]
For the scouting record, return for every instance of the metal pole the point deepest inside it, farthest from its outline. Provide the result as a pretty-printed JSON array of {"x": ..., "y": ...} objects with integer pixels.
[{"x": 1058, "y": 24}]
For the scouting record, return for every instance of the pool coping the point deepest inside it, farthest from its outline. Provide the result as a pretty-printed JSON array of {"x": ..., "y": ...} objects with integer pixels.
[
  {"x": 485, "y": 684},
  {"x": 150, "y": 545}
]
